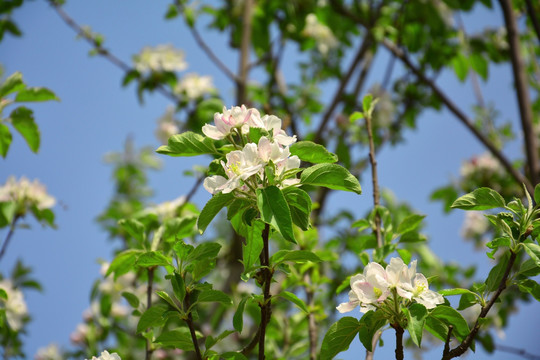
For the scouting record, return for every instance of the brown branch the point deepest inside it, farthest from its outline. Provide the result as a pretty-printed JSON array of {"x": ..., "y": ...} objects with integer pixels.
[
  {"x": 374, "y": 177},
  {"x": 150, "y": 270},
  {"x": 266, "y": 275},
  {"x": 400, "y": 54},
  {"x": 521, "y": 352},
  {"x": 466, "y": 343},
  {"x": 243, "y": 65},
  {"x": 104, "y": 52},
  {"x": 399, "y": 341},
  {"x": 534, "y": 19},
  {"x": 343, "y": 83},
  {"x": 312, "y": 324},
  {"x": 447, "y": 342},
  {"x": 191, "y": 326},
  {"x": 522, "y": 91},
  {"x": 9, "y": 235}
]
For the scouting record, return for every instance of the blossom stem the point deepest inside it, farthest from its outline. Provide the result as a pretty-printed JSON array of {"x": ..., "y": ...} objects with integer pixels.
[
  {"x": 9, "y": 235},
  {"x": 399, "y": 341},
  {"x": 148, "y": 348},
  {"x": 374, "y": 177},
  {"x": 266, "y": 273},
  {"x": 191, "y": 326}
]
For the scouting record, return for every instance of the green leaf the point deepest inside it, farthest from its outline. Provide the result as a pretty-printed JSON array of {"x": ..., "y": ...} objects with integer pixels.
[
  {"x": 295, "y": 300},
  {"x": 206, "y": 250},
  {"x": 312, "y": 152},
  {"x": 214, "y": 296},
  {"x": 450, "y": 316},
  {"x": 531, "y": 287},
  {"x": 275, "y": 211},
  {"x": 529, "y": 268},
  {"x": 534, "y": 252},
  {"x": 295, "y": 256},
  {"x": 188, "y": 144},
  {"x": 131, "y": 298},
  {"x": 355, "y": 116},
  {"x": 496, "y": 274},
  {"x": 233, "y": 355},
  {"x": 461, "y": 66},
  {"x": 123, "y": 263},
  {"x": 22, "y": 119},
  {"x": 152, "y": 317},
  {"x": 332, "y": 176},
  {"x": 410, "y": 223},
  {"x": 153, "y": 258},
  {"x": 436, "y": 327},
  {"x": 3, "y": 294},
  {"x": 455, "y": 291},
  {"x": 255, "y": 134},
  {"x": 179, "y": 338},
  {"x": 35, "y": 94},
  {"x": 479, "y": 65},
  {"x": 370, "y": 323},
  {"x": 134, "y": 228},
  {"x": 12, "y": 84},
  {"x": 300, "y": 206},
  {"x": 5, "y": 139},
  {"x": 405, "y": 255},
  {"x": 480, "y": 199},
  {"x": 211, "y": 341},
  {"x": 368, "y": 104},
  {"x": 179, "y": 287},
  {"x": 339, "y": 337},
  {"x": 537, "y": 194},
  {"x": 182, "y": 250},
  {"x": 416, "y": 316},
  {"x": 212, "y": 208},
  {"x": 254, "y": 244},
  {"x": 7, "y": 212},
  {"x": 238, "y": 318},
  {"x": 168, "y": 299}
]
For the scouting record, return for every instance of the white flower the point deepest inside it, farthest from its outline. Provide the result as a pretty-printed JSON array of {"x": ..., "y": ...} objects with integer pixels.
[
  {"x": 367, "y": 289},
  {"x": 78, "y": 336},
  {"x": 26, "y": 193},
  {"x": 475, "y": 225},
  {"x": 50, "y": 352},
  {"x": 485, "y": 163},
  {"x": 273, "y": 124},
  {"x": 14, "y": 306},
  {"x": 241, "y": 164},
  {"x": 237, "y": 117},
  {"x": 195, "y": 86},
  {"x": 106, "y": 356},
  {"x": 160, "y": 58},
  {"x": 421, "y": 293},
  {"x": 167, "y": 209},
  {"x": 166, "y": 126},
  {"x": 412, "y": 285},
  {"x": 320, "y": 33}
]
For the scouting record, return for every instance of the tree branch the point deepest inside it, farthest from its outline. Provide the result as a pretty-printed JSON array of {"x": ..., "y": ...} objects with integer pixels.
[
  {"x": 150, "y": 271},
  {"x": 399, "y": 341},
  {"x": 466, "y": 343},
  {"x": 8, "y": 236},
  {"x": 374, "y": 178},
  {"x": 522, "y": 91},
  {"x": 266, "y": 275},
  {"x": 521, "y": 352},
  {"x": 460, "y": 115},
  {"x": 104, "y": 52},
  {"x": 532, "y": 16},
  {"x": 191, "y": 326},
  {"x": 312, "y": 324},
  {"x": 243, "y": 65}
]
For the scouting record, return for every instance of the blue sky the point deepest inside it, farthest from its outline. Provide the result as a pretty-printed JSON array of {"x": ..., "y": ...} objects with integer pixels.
[{"x": 96, "y": 115}]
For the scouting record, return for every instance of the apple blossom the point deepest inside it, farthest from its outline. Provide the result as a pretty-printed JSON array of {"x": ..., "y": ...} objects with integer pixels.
[
  {"x": 195, "y": 86},
  {"x": 160, "y": 58},
  {"x": 320, "y": 33},
  {"x": 15, "y": 306},
  {"x": 50, "y": 352},
  {"x": 26, "y": 194},
  {"x": 237, "y": 117},
  {"x": 167, "y": 126},
  {"x": 106, "y": 356}
]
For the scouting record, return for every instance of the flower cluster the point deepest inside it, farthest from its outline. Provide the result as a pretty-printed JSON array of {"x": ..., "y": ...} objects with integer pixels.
[
  {"x": 106, "y": 356},
  {"x": 167, "y": 126},
  {"x": 26, "y": 194},
  {"x": 485, "y": 164},
  {"x": 397, "y": 282},
  {"x": 160, "y": 58},
  {"x": 50, "y": 352},
  {"x": 194, "y": 86},
  {"x": 320, "y": 33},
  {"x": 245, "y": 167},
  {"x": 15, "y": 307}
]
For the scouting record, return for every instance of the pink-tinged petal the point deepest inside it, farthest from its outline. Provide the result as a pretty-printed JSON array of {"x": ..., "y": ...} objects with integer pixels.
[
  {"x": 284, "y": 140},
  {"x": 346, "y": 307},
  {"x": 264, "y": 148},
  {"x": 273, "y": 123},
  {"x": 212, "y": 132},
  {"x": 396, "y": 270},
  {"x": 213, "y": 182}
]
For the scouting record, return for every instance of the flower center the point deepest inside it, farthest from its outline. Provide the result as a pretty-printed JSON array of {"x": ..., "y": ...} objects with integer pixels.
[{"x": 377, "y": 291}]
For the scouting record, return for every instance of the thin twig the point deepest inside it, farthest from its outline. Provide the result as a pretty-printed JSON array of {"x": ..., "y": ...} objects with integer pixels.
[
  {"x": 312, "y": 324},
  {"x": 534, "y": 19},
  {"x": 521, "y": 352},
  {"x": 522, "y": 91},
  {"x": 105, "y": 52},
  {"x": 466, "y": 343},
  {"x": 8, "y": 236},
  {"x": 150, "y": 270},
  {"x": 266, "y": 274},
  {"x": 374, "y": 177},
  {"x": 191, "y": 326},
  {"x": 342, "y": 84},
  {"x": 447, "y": 342}
]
